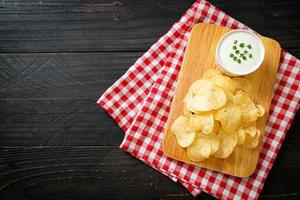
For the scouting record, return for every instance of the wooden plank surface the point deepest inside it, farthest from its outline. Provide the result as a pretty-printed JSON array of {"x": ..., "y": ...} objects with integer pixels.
[
  {"x": 62, "y": 77},
  {"x": 200, "y": 57},
  {"x": 125, "y": 25}
]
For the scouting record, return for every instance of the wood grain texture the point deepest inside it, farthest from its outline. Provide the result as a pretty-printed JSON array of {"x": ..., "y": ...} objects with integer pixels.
[
  {"x": 198, "y": 58},
  {"x": 130, "y": 25},
  {"x": 70, "y": 31}
]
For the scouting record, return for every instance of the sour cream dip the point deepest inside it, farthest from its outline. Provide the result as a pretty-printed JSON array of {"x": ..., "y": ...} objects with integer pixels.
[{"x": 239, "y": 52}]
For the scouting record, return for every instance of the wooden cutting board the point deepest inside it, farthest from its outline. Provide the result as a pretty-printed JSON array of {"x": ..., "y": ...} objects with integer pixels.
[{"x": 199, "y": 57}]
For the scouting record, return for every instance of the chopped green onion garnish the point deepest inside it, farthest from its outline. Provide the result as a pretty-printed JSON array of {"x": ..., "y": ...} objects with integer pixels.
[
  {"x": 244, "y": 58},
  {"x": 235, "y": 41},
  {"x": 245, "y": 52},
  {"x": 242, "y": 45},
  {"x": 241, "y": 55},
  {"x": 249, "y": 46},
  {"x": 234, "y": 47},
  {"x": 239, "y": 61},
  {"x": 237, "y": 51},
  {"x": 234, "y": 58},
  {"x": 250, "y": 55},
  {"x": 231, "y": 55}
]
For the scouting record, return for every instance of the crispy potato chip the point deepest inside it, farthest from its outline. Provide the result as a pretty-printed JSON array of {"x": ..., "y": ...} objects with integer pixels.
[
  {"x": 207, "y": 99},
  {"x": 217, "y": 126},
  {"x": 187, "y": 106},
  {"x": 203, "y": 123},
  {"x": 199, "y": 150},
  {"x": 227, "y": 144},
  {"x": 230, "y": 117},
  {"x": 199, "y": 85},
  {"x": 225, "y": 83},
  {"x": 241, "y": 136},
  {"x": 211, "y": 73},
  {"x": 249, "y": 110},
  {"x": 260, "y": 110},
  {"x": 252, "y": 142},
  {"x": 185, "y": 135},
  {"x": 214, "y": 141},
  {"x": 251, "y": 130},
  {"x": 243, "y": 84},
  {"x": 186, "y": 112}
]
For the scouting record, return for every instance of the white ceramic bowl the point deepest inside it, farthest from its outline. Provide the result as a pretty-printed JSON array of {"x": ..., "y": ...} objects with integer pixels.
[{"x": 225, "y": 50}]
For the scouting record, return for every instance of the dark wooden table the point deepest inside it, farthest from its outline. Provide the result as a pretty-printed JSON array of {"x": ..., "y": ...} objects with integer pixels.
[{"x": 58, "y": 56}]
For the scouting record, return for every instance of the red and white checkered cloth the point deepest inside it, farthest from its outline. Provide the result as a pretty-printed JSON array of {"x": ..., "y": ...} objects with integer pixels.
[{"x": 140, "y": 101}]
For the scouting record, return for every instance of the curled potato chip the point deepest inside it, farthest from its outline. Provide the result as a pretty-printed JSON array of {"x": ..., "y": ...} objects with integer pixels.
[
  {"x": 186, "y": 112},
  {"x": 205, "y": 99},
  {"x": 203, "y": 123},
  {"x": 217, "y": 126},
  {"x": 252, "y": 142},
  {"x": 260, "y": 110},
  {"x": 211, "y": 73},
  {"x": 225, "y": 83},
  {"x": 199, "y": 85},
  {"x": 230, "y": 117},
  {"x": 214, "y": 141},
  {"x": 228, "y": 142},
  {"x": 249, "y": 110},
  {"x": 199, "y": 150},
  {"x": 185, "y": 135},
  {"x": 241, "y": 136},
  {"x": 251, "y": 130},
  {"x": 243, "y": 84}
]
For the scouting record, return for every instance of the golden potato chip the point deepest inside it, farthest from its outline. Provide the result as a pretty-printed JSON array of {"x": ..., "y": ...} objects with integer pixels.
[
  {"x": 187, "y": 109},
  {"x": 186, "y": 112},
  {"x": 203, "y": 123},
  {"x": 243, "y": 84},
  {"x": 199, "y": 150},
  {"x": 207, "y": 99},
  {"x": 260, "y": 110},
  {"x": 211, "y": 73},
  {"x": 185, "y": 135},
  {"x": 252, "y": 142},
  {"x": 241, "y": 136},
  {"x": 249, "y": 110},
  {"x": 214, "y": 141},
  {"x": 229, "y": 116},
  {"x": 199, "y": 85},
  {"x": 217, "y": 126},
  {"x": 228, "y": 142},
  {"x": 251, "y": 130},
  {"x": 225, "y": 83}
]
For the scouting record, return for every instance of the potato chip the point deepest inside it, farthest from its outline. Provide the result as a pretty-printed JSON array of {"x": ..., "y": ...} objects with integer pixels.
[
  {"x": 214, "y": 141},
  {"x": 251, "y": 130},
  {"x": 252, "y": 142},
  {"x": 225, "y": 83},
  {"x": 199, "y": 85},
  {"x": 260, "y": 110},
  {"x": 186, "y": 112},
  {"x": 207, "y": 99},
  {"x": 249, "y": 110},
  {"x": 217, "y": 126},
  {"x": 203, "y": 123},
  {"x": 243, "y": 84},
  {"x": 211, "y": 73},
  {"x": 228, "y": 142},
  {"x": 230, "y": 117},
  {"x": 199, "y": 150},
  {"x": 185, "y": 135},
  {"x": 241, "y": 136}
]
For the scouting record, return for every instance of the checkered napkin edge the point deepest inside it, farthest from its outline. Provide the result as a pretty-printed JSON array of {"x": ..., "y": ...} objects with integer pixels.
[{"x": 287, "y": 78}]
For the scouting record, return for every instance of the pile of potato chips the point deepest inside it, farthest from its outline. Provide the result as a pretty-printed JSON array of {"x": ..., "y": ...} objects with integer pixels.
[{"x": 219, "y": 114}]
